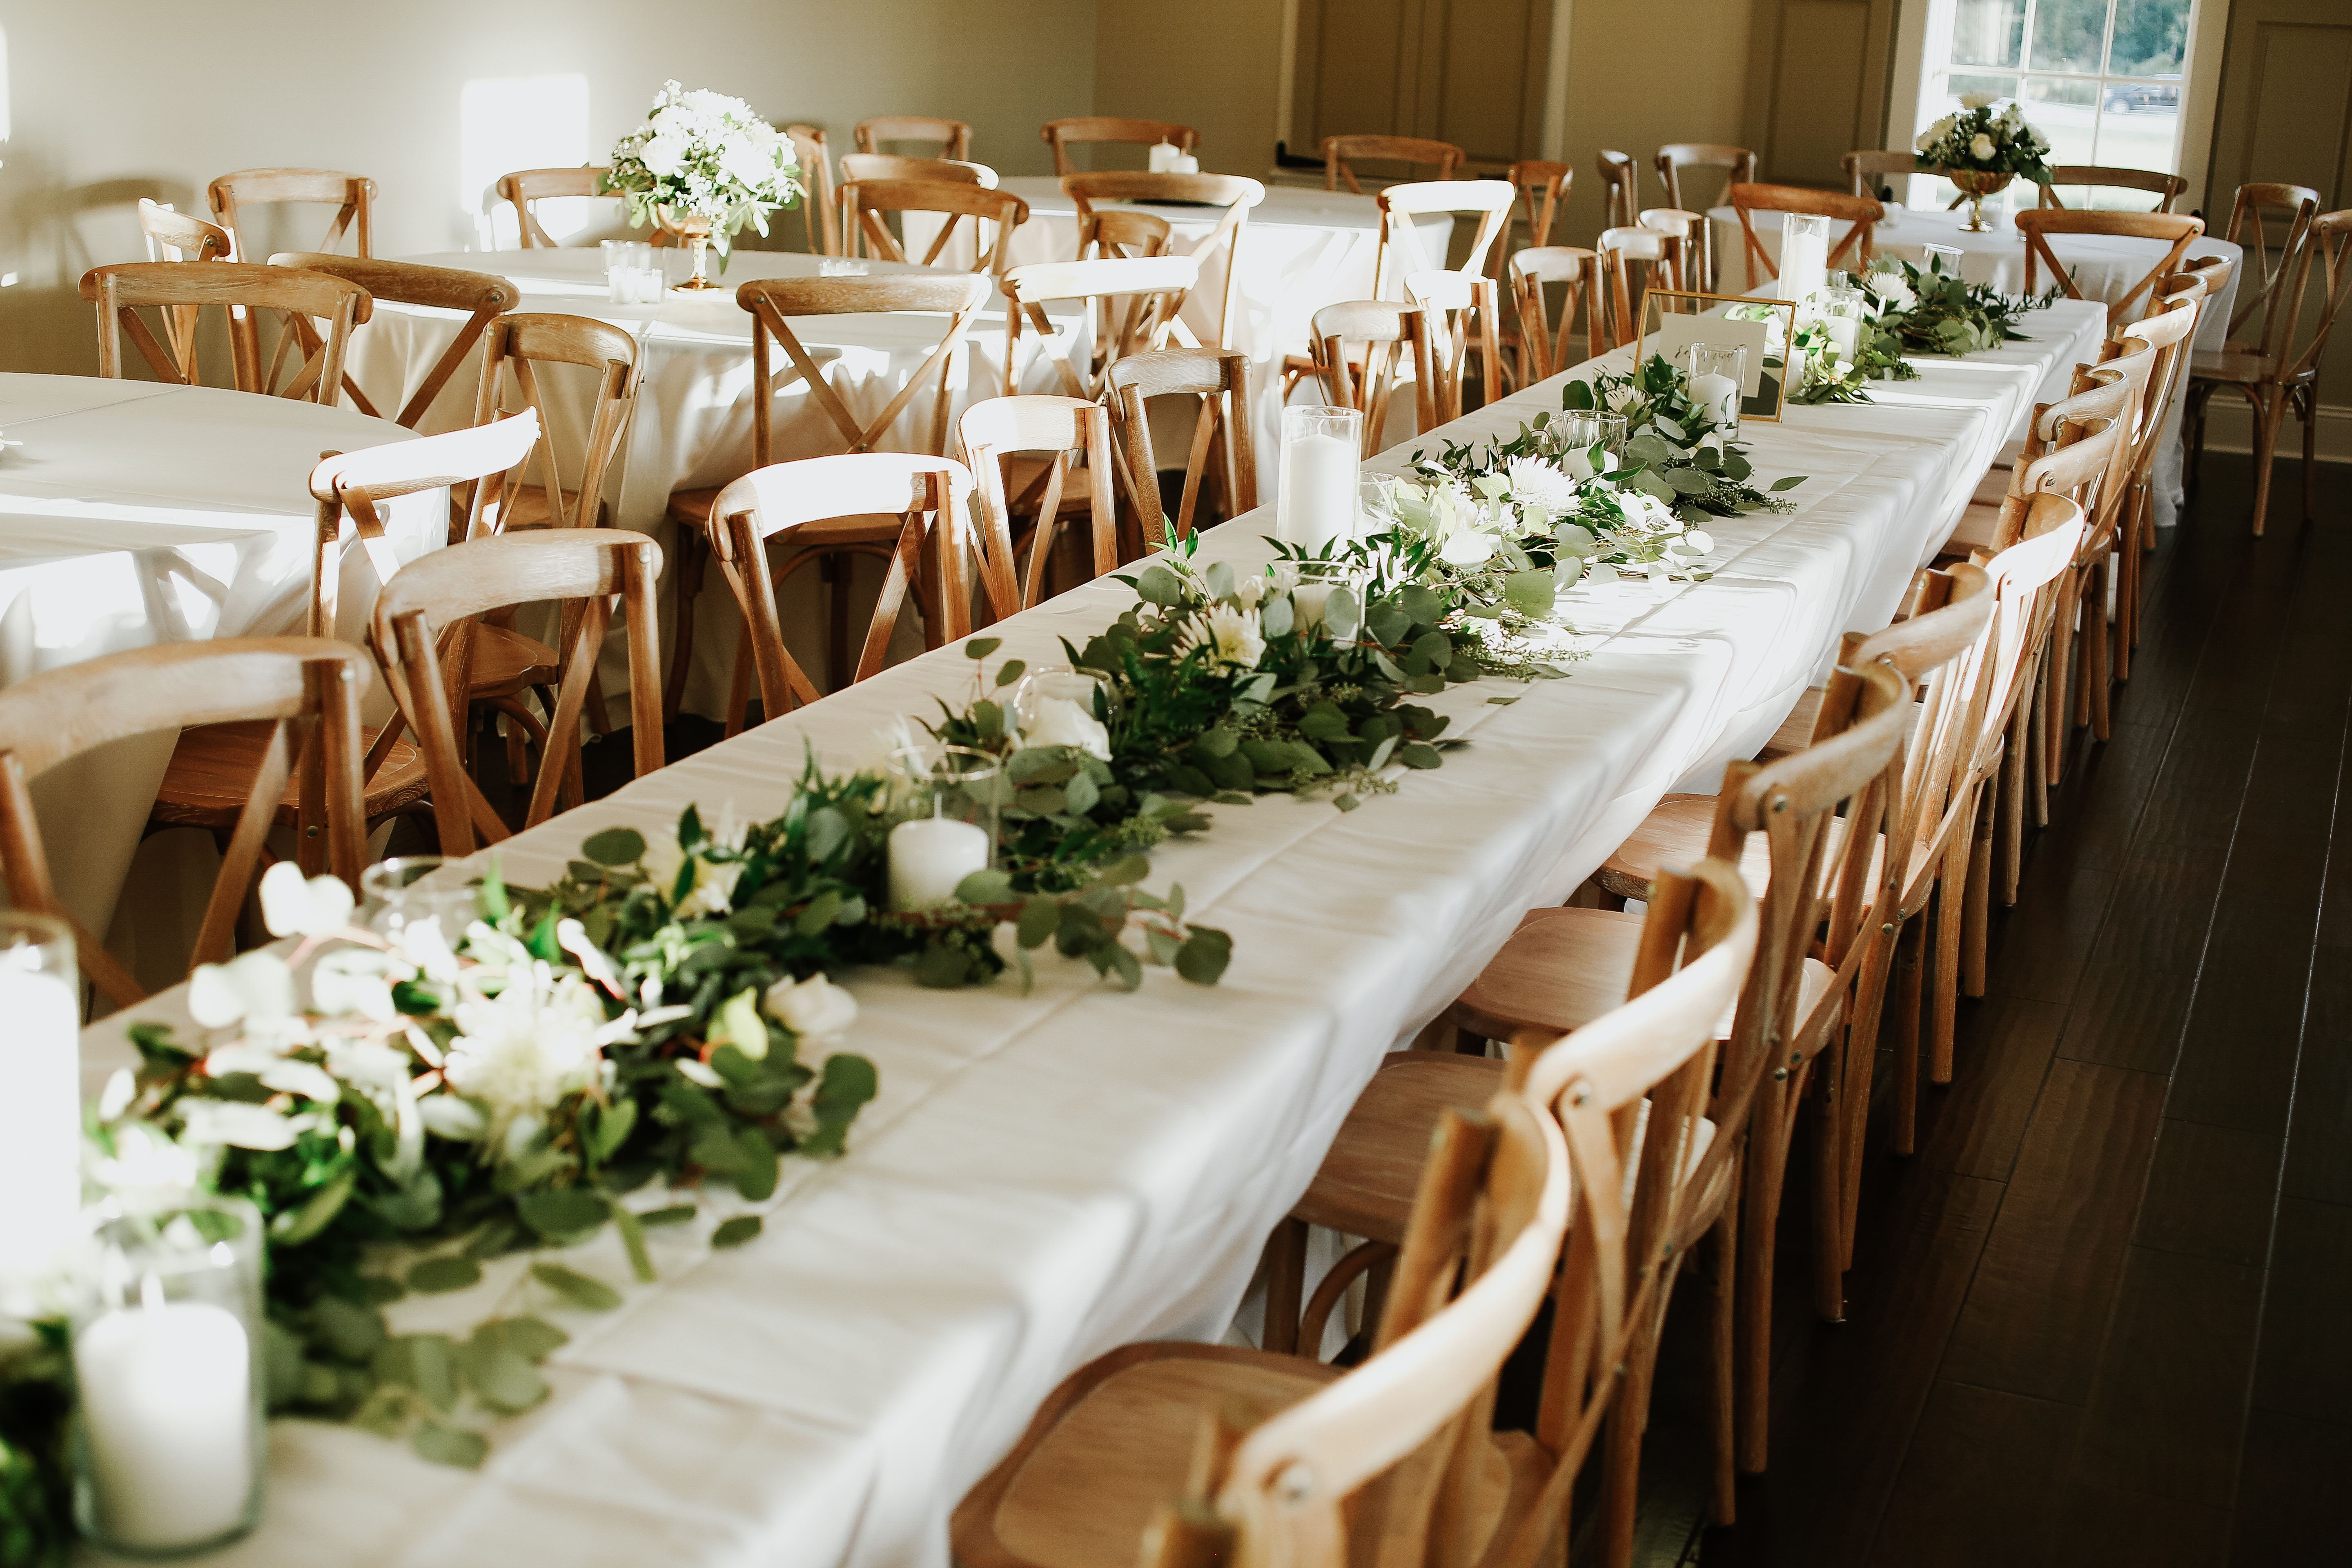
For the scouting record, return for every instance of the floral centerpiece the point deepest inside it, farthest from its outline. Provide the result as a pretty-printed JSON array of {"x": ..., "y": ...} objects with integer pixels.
[
  {"x": 1980, "y": 150},
  {"x": 704, "y": 166}
]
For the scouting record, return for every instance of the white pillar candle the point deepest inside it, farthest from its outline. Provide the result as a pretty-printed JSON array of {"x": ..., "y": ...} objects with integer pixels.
[
  {"x": 1846, "y": 332},
  {"x": 40, "y": 1121},
  {"x": 1805, "y": 262},
  {"x": 1308, "y": 601},
  {"x": 1163, "y": 158},
  {"x": 166, "y": 1396},
  {"x": 1719, "y": 393},
  {"x": 1319, "y": 491},
  {"x": 930, "y": 856}
]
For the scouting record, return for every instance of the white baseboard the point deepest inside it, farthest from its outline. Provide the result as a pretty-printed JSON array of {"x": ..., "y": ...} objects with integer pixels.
[{"x": 2229, "y": 427}]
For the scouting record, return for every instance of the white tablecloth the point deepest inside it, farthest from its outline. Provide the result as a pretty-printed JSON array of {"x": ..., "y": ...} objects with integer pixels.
[
  {"x": 1044, "y": 1177},
  {"x": 134, "y": 513},
  {"x": 692, "y": 427},
  {"x": 2104, "y": 268}
]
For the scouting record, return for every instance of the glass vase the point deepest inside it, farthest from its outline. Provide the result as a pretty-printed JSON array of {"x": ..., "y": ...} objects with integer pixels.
[
  {"x": 1321, "y": 457},
  {"x": 946, "y": 805}
]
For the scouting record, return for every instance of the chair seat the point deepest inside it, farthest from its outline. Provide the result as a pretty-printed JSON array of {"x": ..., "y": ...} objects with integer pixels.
[
  {"x": 2232, "y": 365},
  {"x": 505, "y": 661},
  {"x": 213, "y": 766},
  {"x": 1979, "y": 525},
  {"x": 1675, "y": 833},
  {"x": 692, "y": 509},
  {"x": 1367, "y": 1182},
  {"x": 1993, "y": 486},
  {"x": 526, "y": 508},
  {"x": 1115, "y": 1442},
  {"x": 1796, "y": 731}
]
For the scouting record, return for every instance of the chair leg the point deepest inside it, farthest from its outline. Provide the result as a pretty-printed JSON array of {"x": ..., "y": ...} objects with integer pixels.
[
  {"x": 1722, "y": 1340},
  {"x": 2270, "y": 413},
  {"x": 2010, "y": 802},
  {"x": 1285, "y": 1285},
  {"x": 688, "y": 567},
  {"x": 2099, "y": 650},
  {"x": 2038, "y": 779},
  {"x": 2306, "y": 401},
  {"x": 1861, "y": 1072},
  {"x": 1825, "y": 1115},
  {"x": 1760, "y": 1214},
  {"x": 1951, "y": 919},
  {"x": 1910, "y": 980},
  {"x": 1976, "y": 917},
  {"x": 2056, "y": 665},
  {"x": 739, "y": 687},
  {"x": 2085, "y": 619}
]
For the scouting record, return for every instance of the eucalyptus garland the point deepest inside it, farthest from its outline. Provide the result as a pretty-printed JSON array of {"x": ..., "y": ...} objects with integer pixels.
[{"x": 1930, "y": 311}]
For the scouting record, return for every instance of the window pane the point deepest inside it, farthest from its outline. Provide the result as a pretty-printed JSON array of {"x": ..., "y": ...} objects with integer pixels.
[
  {"x": 2137, "y": 132},
  {"x": 2067, "y": 34},
  {"x": 2068, "y": 113},
  {"x": 1988, "y": 32},
  {"x": 2151, "y": 36},
  {"x": 1960, "y": 82}
]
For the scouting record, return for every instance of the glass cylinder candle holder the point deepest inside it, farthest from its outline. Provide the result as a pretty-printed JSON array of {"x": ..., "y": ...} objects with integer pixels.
[
  {"x": 1842, "y": 311},
  {"x": 41, "y": 1101},
  {"x": 1943, "y": 260},
  {"x": 169, "y": 1443},
  {"x": 1376, "y": 504},
  {"x": 1717, "y": 373},
  {"x": 1804, "y": 253},
  {"x": 1310, "y": 598},
  {"x": 1062, "y": 705},
  {"x": 1321, "y": 457},
  {"x": 409, "y": 888},
  {"x": 1580, "y": 430},
  {"x": 946, "y": 803}
]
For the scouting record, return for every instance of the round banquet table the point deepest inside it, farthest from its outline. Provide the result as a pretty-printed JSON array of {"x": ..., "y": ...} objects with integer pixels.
[
  {"x": 2105, "y": 267},
  {"x": 692, "y": 426},
  {"x": 134, "y": 513},
  {"x": 1046, "y": 1175}
]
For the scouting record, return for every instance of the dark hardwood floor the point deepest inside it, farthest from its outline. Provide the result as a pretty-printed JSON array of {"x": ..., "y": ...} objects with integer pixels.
[{"x": 2104, "y": 1315}]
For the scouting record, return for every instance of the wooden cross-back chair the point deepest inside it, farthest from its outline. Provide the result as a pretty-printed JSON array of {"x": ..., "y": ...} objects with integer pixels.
[
  {"x": 952, "y": 137},
  {"x": 2166, "y": 329},
  {"x": 351, "y": 195},
  {"x": 1401, "y": 250},
  {"x": 886, "y": 166},
  {"x": 1674, "y": 160},
  {"x": 1135, "y": 303},
  {"x": 525, "y": 188},
  {"x": 1295, "y": 1463},
  {"x": 1543, "y": 347},
  {"x": 774, "y": 305},
  {"x": 1234, "y": 192},
  {"x": 1696, "y": 231},
  {"x": 925, "y": 497},
  {"x": 1064, "y": 430},
  {"x": 1621, "y": 187},
  {"x": 2037, "y": 223},
  {"x": 1661, "y": 258},
  {"x": 2122, "y": 373},
  {"x": 1119, "y": 233},
  {"x": 864, "y": 202},
  {"x": 2167, "y": 188},
  {"x": 482, "y": 296},
  {"x": 421, "y": 629},
  {"x": 1869, "y": 173},
  {"x": 1412, "y": 152},
  {"x": 2268, "y": 223},
  {"x": 1061, "y": 135},
  {"x": 821, "y": 218},
  {"x": 2275, "y": 376},
  {"x": 1220, "y": 378},
  {"x": 1543, "y": 190},
  {"x": 245, "y": 291},
  {"x": 177, "y": 237},
  {"x": 1852, "y": 252},
  {"x": 1463, "y": 314},
  {"x": 1364, "y": 379},
  {"x": 301, "y": 693}
]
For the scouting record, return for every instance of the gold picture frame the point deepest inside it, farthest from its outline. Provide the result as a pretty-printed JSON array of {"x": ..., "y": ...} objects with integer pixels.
[{"x": 1669, "y": 316}]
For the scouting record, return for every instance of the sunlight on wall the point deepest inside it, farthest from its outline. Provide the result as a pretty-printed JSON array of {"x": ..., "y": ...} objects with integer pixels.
[{"x": 520, "y": 122}]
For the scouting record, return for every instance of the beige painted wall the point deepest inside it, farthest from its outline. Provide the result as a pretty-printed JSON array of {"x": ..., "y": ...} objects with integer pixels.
[
  {"x": 153, "y": 98},
  {"x": 1215, "y": 64}
]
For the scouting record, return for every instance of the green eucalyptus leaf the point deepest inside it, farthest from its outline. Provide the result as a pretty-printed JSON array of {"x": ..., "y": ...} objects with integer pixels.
[
  {"x": 453, "y": 1445},
  {"x": 615, "y": 846},
  {"x": 981, "y": 647},
  {"x": 577, "y": 1288},
  {"x": 564, "y": 1211},
  {"x": 436, "y": 1275},
  {"x": 1010, "y": 670},
  {"x": 736, "y": 1232}
]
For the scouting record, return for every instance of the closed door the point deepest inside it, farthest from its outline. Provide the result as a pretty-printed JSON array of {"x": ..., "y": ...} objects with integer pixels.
[{"x": 1817, "y": 86}]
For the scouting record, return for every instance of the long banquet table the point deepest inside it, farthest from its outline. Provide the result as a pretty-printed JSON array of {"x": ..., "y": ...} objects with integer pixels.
[{"x": 1045, "y": 1176}]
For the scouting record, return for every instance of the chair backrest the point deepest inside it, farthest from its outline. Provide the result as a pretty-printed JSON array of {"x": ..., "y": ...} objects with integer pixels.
[
  {"x": 2025, "y": 575},
  {"x": 817, "y": 211},
  {"x": 952, "y": 137},
  {"x": 862, "y": 202},
  {"x": 1061, "y": 135},
  {"x": 1455, "y": 305},
  {"x": 1415, "y": 151},
  {"x": 1116, "y": 234},
  {"x": 422, "y": 634},
  {"x": 514, "y": 349},
  {"x": 1400, "y": 249},
  {"x": 1220, "y": 378},
  {"x": 1696, "y": 231},
  {"x": 1138, "y": 300},
  {"x": 2166, "y": 188},
  {"x": 1621, "y": 182},
  {"x": 307, "y": 689},
  {"x": 927, "y": 494},
  {"x": 1543, "y": 347},
  {"x": 884, "y": 166},
  {"x": 245, "y": 289},
  {"x": 775, "y": 303},
  {"x": 483, "y": 296},
  {"x": 1662, "y": 259},
  {"x": 1676, "y": 157},
  {"x": 526, "y": 188},
  {"x": 1543, "y": 187},
  {"x": 1408, "y": 1430},
  {"x": 1866, "y": 171},
  {"x": 1069, "y": 428},
  {"x": 2269, "y": 223},
  {"x": 177, "y": 237},
  {"x": 351, "y": 195},
  {"x": 2085, "y": 433},
  {"x": 1363, "y": 382},
  {"x": 2331, "y": 245},
  {"x": 2037, "y": 223},
  {"x": 1630, "y": 1090},
  {"x": 1853, "y": 251},
  {"x": 2131, "y": 365},
  {"x": 2168, "y": 327},
  {"x": 1234, "y": 192}
]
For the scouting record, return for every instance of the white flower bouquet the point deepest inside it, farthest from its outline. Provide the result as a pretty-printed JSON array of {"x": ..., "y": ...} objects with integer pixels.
[
  {"x": 1978, "y": 140},
  {"x": 707, "y": 159}
]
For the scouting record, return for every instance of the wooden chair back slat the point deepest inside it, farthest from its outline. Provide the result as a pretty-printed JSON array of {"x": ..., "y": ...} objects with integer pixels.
[
  {"x": 1543, "y": 188},
  {"x": 1135, "y": 300},
  {"x": 351, "y": 195},
  {"x": 2331, "y": 245},
  {"x": 2037, "y": 223},
  {"x": 1235, "y": 194},
  {"x": 1069, "y": 430},
  {"x": 814, "y": 157},
  {"x": 1061, "y": 135},
  {"x": 1663, "y": 267},
  {"x": 1400, "y": 251},
  {"x": 1866, "y": 171},
  {"x": 862, "y": 202},
  {"x": 1739, "y": 164},
  {"x": 2166, "y": 188},
  {"x": 1543, "y": 346},
  {"x": 1853, "y": 251},
  {"x": 1621, "y": 181},
  {"x": 953, "y": 137},
  {"x": 1221, "y": 380},
  {"x": 185, "y": 238},
  {"x": 2268, "y": 224},
  {"x": 1415, "y": 151},
  {"x": 774, "y": 303},
  {"x": 515, "y": 346},
  {"x": 1695, "y": 231},
  {"x": 1363, "y": 382},
  {"x": 179, "y": 291},
  {"x": 885, "y": 166},
  {"x": 525, "y": 188},
  {"x": 483, "y": 296}
]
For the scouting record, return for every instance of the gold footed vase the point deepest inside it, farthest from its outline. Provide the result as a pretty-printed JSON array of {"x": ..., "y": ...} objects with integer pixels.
[
  {"x": 1976, "y": 184},
  {"x": 696, "y": 233}
]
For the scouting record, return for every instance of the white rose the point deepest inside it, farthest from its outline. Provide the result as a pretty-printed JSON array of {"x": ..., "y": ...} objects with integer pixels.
[
  {"x": 1981, "y": 147},
  {"x": 815, "y": 1009},
  {"x": 754, "y": 166},
  {"x": 1059, "y": 721},
  {"x": 1978, "y": 99},
  {"x": 663, "y": 155}
]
